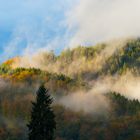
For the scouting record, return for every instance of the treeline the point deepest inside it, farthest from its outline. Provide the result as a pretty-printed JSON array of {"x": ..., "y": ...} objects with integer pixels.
[
  {"x": 124, "y": 106},
  {"x": 84, "y": 62},
  {"x": 57, "y": 83},
  {"x": 66, "y": 74},
  {"x": 124, "y": 59},
  {"x": 122, "y": 122}
]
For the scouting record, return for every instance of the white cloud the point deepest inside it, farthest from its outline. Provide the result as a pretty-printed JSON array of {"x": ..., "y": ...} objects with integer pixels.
[
  {"x": 56, "y": 25},
  {"x": 99, "y": 20},
  {"x": 36, "y": 25}
]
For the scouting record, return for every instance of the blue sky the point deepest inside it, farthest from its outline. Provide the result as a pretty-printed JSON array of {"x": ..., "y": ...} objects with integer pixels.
[{"x": 31, "y": 24}]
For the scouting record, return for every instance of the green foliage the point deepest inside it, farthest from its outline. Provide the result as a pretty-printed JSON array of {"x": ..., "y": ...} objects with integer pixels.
[
  {"x": 84, "y": 62},
  {"x": 68, "y": 55},
  {"x": 32, "y": 76},
  {"x": 20, "y": 83},
  {"x": 42, "y": 124},
  {"x": 85, "y": 127},
  {"x": 123, "y": 106},
  {"x": 127, "y": 58},
  {"x": 123, "y": 122},
  {"x": 4, "y": 69}
]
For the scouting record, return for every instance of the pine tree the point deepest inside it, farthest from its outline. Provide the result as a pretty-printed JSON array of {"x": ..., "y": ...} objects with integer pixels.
[{"x": 42, "y": 124}]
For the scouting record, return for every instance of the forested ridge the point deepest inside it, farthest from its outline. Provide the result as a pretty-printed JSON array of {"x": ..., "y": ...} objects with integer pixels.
[{"x": 72, "y": 71}]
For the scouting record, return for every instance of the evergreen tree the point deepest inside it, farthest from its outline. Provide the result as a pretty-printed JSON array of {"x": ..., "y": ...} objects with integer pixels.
[{"x": 42, "y": 124}]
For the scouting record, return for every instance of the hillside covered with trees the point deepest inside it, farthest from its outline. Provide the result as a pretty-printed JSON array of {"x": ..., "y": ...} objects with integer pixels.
[{"x": 66, "y": 75}]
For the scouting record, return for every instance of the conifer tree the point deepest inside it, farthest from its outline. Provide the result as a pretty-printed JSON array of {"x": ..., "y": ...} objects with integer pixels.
[{"x": 42, "y": 124}]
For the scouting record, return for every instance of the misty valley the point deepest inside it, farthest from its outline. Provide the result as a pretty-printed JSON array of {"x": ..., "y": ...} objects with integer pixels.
[{"x": 95, "y": 91}]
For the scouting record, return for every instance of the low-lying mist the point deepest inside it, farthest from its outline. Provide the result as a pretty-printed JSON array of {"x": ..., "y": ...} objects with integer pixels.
[
  {"x": 94, "y": 99},
  {"x": 89, "y": 102},
  {"x": 77, "y": 64}
]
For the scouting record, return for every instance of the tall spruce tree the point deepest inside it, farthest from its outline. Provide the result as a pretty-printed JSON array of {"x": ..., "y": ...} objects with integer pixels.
[{"x": 42, "y": 124}]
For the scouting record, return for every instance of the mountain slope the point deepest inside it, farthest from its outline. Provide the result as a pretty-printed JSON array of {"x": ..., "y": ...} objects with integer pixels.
[
  {"x": 127, "y": 58},
  {"x": 87, "y": 62},
  {"x": 80, "y": 79}
]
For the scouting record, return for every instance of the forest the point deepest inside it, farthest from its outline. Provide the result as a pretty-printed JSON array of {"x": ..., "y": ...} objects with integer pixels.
[{"x": 96, "y": 92}]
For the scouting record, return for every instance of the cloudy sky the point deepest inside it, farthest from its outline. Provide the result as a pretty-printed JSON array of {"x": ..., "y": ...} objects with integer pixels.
[{"x": 28, "y": 26}]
